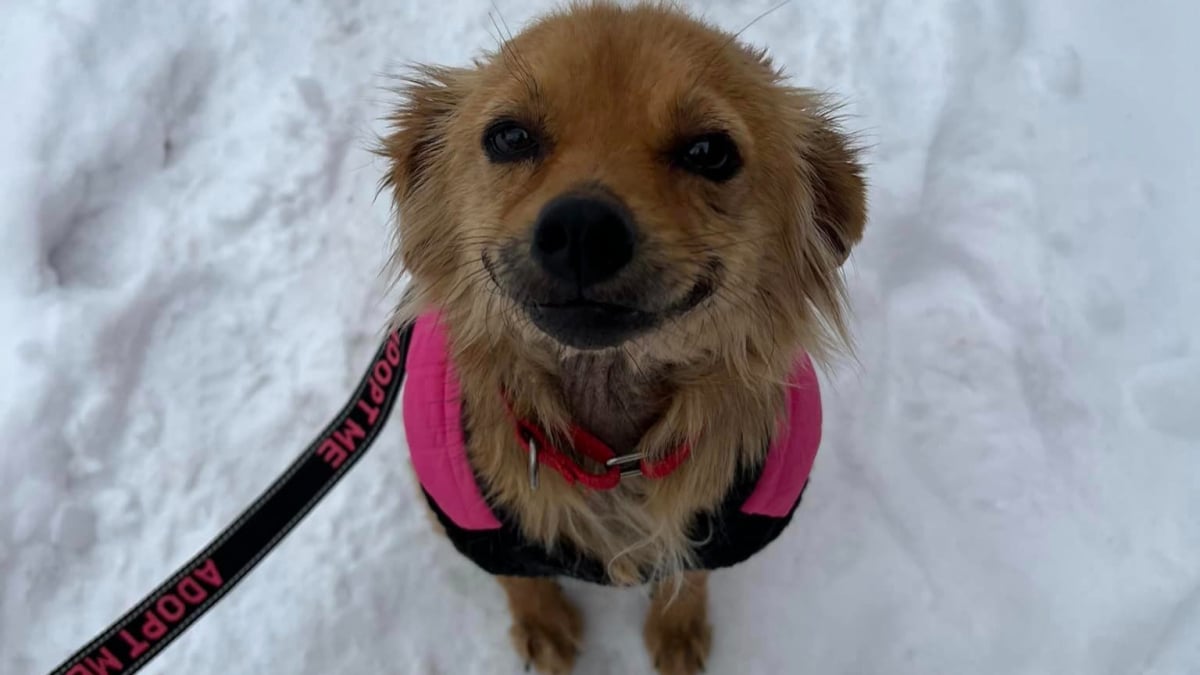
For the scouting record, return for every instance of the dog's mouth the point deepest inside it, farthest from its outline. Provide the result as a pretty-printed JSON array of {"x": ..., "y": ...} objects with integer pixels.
[{"x": 592, "y": 323}]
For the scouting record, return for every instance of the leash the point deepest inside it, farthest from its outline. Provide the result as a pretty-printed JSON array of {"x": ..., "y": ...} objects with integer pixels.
[{"x": 146, "y": 629}]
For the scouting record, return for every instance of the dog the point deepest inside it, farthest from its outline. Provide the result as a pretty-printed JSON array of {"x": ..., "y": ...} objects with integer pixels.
[{"x": 624, "y": 233}]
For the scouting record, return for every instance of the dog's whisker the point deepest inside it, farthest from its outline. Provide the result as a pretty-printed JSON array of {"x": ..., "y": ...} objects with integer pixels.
[{"x": 718, "y": 52}]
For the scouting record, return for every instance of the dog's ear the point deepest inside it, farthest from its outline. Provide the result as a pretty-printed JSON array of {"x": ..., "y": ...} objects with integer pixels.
[
  {"x": 430, "y": 95},
  {"x": 838, "y": 188}
]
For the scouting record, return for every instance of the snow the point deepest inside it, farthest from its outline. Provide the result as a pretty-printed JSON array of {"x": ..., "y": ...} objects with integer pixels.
[{"x": 189, "y": 287}]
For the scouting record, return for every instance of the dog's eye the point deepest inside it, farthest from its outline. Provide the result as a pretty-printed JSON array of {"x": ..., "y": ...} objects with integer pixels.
[
  {"x": 713, "y": 156},
  {"x": 508, "y": 141}
]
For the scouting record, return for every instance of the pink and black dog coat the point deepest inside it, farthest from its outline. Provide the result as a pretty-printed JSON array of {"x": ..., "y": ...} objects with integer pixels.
[{"x": 754, "y": 512}]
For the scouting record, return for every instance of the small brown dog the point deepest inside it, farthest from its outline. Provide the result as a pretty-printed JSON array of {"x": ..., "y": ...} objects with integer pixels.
[{"x": 628, "y": 232}]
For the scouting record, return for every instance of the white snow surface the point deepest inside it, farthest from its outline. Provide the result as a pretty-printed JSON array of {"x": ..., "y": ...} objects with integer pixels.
[{"x": 190, "y": 256}]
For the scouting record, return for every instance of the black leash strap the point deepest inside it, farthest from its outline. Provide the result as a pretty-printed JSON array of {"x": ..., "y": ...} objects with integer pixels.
[{"x": 164, "y": 614}]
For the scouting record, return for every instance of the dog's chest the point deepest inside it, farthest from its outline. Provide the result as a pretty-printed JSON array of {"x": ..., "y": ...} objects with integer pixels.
[{"x": 613, "y": 398}]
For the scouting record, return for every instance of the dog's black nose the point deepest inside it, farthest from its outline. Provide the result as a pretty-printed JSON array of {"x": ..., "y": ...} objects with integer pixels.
[{"x": 583, "y": 240}]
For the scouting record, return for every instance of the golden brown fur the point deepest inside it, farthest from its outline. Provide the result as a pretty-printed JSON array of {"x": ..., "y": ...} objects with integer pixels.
[
  {"x": 678, "y": 637},
  {"x": 612, "y": 85},
  {"x": 546, "y": 628}
]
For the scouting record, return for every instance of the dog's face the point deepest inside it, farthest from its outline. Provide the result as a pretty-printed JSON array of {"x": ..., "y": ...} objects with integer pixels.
[{"x": 623, "y": 178}]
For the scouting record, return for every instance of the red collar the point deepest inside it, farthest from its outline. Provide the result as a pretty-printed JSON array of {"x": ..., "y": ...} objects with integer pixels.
[{"x": 542, "y": 452}]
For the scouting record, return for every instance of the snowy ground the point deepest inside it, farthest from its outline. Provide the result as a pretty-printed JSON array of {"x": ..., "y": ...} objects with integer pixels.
[{"x": 1010, "y": 481}]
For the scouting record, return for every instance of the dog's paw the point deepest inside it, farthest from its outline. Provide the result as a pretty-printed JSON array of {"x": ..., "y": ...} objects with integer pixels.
[
  {"x": 678, "y": 647},
  {"x": 548, "y": 641}
]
